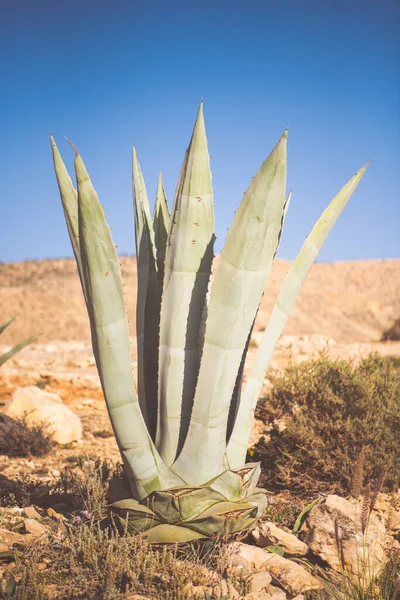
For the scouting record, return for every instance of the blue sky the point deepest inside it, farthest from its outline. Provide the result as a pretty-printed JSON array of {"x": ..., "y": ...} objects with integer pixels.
[{"x": 108, "y": 74}]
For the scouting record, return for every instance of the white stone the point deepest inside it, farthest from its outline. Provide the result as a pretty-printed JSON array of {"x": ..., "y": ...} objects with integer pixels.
[
  {"x": 363, "y": 554},
  {"x": 268, "y": 534},
  {"x": 259, "y": 581},
  {"x": 294, "y": 578},
  {"x": 277, "y": 593},
  {"x": 34, "y": 527},
  {"x": 42, "y": 408}
]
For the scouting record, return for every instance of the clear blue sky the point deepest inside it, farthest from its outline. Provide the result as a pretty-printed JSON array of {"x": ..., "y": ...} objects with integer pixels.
[{"x": 107, "y": 74}]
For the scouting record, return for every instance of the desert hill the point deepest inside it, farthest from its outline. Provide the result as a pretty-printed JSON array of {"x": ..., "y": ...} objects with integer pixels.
[{"x": 347, "y": 301}]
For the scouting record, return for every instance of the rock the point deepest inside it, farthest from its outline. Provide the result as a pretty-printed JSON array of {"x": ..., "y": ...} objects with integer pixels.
[
  {"x": 34, "y": 527},
  {"x": 4, "y": 547},
  {"x": 268, "y": 534},
  {"x": 55, "y": 515},
  {"x": 31, "y": 512},
  {"x": 382, "y": 503},
  {"x": 239, "y": 567},
  {"x": 196, "y": 592},
  {"x": 12, "y": 510},
  {"x": 42, "y": 408},
  {"x": 216, "y": 588},
  {"x": 362, "y": 554},
  {"x": 258, "y": 596},
  {"x": 277, "y": 593},
  {"x": 394, "y": 520},
  {"x": 225, "y": 590},
  {"x": 294, "y": 578},
  {"x": 259, "y": 581},
  {"x": 12, "y": 538},
  {"x": 386, "y": 509}
]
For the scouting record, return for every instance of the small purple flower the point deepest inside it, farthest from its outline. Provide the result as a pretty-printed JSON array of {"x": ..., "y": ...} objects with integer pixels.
[
  {"x": 271, "y": 500},
  {"x": 76, "y": 520},
  {"x": 86, "y": 514}
]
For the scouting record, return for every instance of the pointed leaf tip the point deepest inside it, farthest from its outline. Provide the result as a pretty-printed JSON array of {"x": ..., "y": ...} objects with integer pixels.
[
  {"x": 200, "y": 115},
  {"x": 73, "y": 146}
]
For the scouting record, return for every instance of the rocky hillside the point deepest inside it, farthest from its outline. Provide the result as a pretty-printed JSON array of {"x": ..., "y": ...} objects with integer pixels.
[{"x": 347, "y": 301}]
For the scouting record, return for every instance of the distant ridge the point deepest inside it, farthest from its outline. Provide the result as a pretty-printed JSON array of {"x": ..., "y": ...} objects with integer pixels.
[{"x": 351, "y": 301}]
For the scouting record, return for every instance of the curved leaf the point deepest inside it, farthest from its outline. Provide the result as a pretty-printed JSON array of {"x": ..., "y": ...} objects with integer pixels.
[{"x": 238, "y": 443}]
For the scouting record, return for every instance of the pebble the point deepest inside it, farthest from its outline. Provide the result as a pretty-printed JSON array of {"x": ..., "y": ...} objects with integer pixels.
[
  {"x": 31, "y": 512},
  {"x": 34, "y": 527}
]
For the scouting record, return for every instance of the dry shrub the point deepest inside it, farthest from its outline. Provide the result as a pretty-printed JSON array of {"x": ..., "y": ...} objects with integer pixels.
[
  {"x": 75, "y": 490},
  {"x": 393, "y": 333},
  {"x": 19, "y": 440},
  {"x": 332, "y": 410},
  {"x": 87, "y": 562}
]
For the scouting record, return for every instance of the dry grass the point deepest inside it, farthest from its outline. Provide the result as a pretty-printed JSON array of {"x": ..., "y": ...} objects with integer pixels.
[{"x": 85, "y": 557}]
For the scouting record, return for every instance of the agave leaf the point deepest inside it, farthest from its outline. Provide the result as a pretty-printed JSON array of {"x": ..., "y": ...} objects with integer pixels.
[
  {"x": 224, "y": 517},
  {"x": 161, "y": 226},
  {"x": 109, "y": 328},
  {"x": 135, "y": 516},
  {"x": 285, "y": 209},
  {"x": 237, "y": 392},
  {"x": 133, "y": 506},
  {"x": 69, "y": 199},
  {"x": 188, "y": 262},
  {"x": 234, "y": 484},
  {"x": 185, "y": 504},
  {"x": 16, "y": 348},
  {"x": 4, "y": 325},
  {"x": 171, "y": 534},
  {"x": 258, "y": 498},
  {"x": 148, "y": 300},
  {"x": 222, "y": 508},
  {"x": 238, "y": 443},
  {"x": 236, "y": 292}
]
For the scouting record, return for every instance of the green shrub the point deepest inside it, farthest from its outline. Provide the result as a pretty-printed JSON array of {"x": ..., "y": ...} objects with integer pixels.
[
  {"x": 393, "y": 333},
  {"x": 332, "y": 410}
]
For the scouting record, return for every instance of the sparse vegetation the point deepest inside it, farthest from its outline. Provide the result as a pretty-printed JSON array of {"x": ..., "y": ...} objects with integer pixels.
[
  {"x": 331, "y": 410},
  {"x": 17, "y": 439},
  {"x": 393, "y": 333},
  {"x": 350, "y": 413},
  {"x": 86, "y": 562},
  {"x": 339, "y": 587},
  {"x": 85, "y": 557}
]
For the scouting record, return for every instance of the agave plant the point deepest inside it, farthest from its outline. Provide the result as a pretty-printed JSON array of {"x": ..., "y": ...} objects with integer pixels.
[
  {"x": 17, "y": 347},
  {"x": 183, "y": 435}
]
